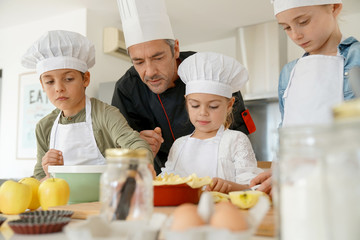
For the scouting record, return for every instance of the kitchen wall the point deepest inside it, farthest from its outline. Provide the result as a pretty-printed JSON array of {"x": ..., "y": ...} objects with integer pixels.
[{"x": 15, "y": 40}]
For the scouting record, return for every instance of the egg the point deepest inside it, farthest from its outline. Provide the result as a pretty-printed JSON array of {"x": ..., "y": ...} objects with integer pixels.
[
  {"x": 228, "y": 216},
  {"x": 185, "y": 216}
]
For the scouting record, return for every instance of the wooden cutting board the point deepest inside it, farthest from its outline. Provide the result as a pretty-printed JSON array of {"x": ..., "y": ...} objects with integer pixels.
[
  {"x": 81, "y": 210},
  {"x": 84, "y": 210}
]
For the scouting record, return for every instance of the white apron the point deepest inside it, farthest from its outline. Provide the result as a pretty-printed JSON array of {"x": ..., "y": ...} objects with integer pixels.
[
  {"x": 315, "y": 86},
  {"x": 199, "y": 156},
  {"x": 76, "y": 141}
]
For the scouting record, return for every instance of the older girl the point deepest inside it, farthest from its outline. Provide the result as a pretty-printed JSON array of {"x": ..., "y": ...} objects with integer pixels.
[{"x": 310, "y": 86}]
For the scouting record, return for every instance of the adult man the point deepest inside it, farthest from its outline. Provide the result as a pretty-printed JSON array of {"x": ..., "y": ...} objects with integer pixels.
[{"x": 150, "y": 95}]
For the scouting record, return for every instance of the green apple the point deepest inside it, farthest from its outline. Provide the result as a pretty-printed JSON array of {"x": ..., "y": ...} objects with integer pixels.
[
  {"x": 15, "y": 197},
  {"x": 53, "y": 192},
  {"x": 34, "y": 184}
]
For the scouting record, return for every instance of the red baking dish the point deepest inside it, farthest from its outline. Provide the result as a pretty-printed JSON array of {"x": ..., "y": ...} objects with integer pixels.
[{"x": 174, "y": 195}]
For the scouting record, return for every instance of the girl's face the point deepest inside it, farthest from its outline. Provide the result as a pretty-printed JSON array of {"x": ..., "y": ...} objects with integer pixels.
[
  {"x": 207, "y": 113},
  {"x": 313, "y": 28},
  {"x": 65, "y": 89}
]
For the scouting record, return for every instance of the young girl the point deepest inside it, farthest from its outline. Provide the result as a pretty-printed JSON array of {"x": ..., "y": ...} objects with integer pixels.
[
  {"x": 80, "y": 129},
  {"x": 212, "y": 149},
  {"x": 310, "y": 86}
]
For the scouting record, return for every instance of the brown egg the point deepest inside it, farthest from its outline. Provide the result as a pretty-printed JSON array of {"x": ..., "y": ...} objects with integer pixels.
[
  {"x": 228, "y": 216},
  {"x": 185, "y": 216}
]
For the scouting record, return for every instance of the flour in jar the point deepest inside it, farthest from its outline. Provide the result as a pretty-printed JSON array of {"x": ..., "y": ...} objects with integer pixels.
[{"x": 302, "y": 207}]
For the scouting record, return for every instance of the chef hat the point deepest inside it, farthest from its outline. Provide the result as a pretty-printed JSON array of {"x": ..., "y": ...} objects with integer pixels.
[
  {"x": 282, "y": 5},
  {"x": 212, "y": 73},
  {"x": 144, "y": 20},
  {"x": 60, "y": 50}
]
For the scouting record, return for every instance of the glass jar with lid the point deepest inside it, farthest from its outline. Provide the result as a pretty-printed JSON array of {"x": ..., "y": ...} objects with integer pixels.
[
  {"x": 316, "y": 190},
  {"x": 126, "y": 188},
  {"x": 299, "y": 193}
]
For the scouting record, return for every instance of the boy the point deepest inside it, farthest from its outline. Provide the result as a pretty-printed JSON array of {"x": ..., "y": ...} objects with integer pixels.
[{"x": 80, "y": 129}]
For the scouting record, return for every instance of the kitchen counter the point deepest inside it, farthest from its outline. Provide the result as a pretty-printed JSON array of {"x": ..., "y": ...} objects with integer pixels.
[{"x": 266, "y": 228}]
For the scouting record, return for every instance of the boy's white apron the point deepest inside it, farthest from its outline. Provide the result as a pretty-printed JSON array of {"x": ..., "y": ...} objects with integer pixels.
[
  {"x": 76, "y": 141},
  {"x": 315, "y": 86}
]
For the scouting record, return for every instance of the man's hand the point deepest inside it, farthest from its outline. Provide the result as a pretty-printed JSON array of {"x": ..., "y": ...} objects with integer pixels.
[
  {"x": 219, "y": 185},
  {"x": 264, "y": 179},
  {"x": 52, "y": 157},
  {"x": 153, "y": 138}
]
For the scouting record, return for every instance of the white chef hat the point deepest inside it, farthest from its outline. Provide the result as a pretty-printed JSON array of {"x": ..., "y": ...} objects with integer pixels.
[
  {"x": 144, "y": 20},
  {"x": 213, "y": 73},
  {"x": 60, "y": 50},
  {"x": 282, "y": 5}
]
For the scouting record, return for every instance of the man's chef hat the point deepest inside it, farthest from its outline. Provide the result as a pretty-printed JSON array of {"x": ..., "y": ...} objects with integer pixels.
[
  {"x": 282, "y": 5},
  {"x": 144, "y": 20},
  {"x": 213, "y": 73},
  {"x": 60, "y": 50}
]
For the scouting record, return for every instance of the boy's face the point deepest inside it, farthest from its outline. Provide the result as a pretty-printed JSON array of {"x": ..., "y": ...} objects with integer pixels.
[
  {"x": 207, "y": 113},
  {"x": 313, "y": 28},
  {"x": 155, "y": 64},
  {"x": 65, "y": 89}
]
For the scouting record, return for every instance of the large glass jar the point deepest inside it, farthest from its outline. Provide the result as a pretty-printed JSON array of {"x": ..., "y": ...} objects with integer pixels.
[
  {"x": 299, "y": 192},
  {"x": 126, "y": 189},
  {"x": 316, "y": 180}
]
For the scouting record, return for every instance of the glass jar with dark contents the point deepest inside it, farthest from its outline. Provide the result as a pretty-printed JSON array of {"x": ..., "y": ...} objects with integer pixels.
[{"x": 126, "y": 188}]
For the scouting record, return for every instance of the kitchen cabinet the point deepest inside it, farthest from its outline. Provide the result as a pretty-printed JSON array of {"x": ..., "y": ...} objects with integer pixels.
[
  {"x": 262, "y": 49},
  {"x": 266, "y": 116}
]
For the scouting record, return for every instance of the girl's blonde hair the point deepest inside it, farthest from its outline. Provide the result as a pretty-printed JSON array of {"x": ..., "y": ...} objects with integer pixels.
[{"x": 229, "y": 117}]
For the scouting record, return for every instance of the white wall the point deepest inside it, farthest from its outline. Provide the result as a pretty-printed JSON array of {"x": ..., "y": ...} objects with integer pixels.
[
  {"x": 14, "y": 42},
  {"x": 107, "y": 68},
  {"x": 226, "y": 46}
]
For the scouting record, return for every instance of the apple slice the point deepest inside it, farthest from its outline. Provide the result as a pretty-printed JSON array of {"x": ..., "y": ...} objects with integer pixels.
[{"x": 246, "y": 199}]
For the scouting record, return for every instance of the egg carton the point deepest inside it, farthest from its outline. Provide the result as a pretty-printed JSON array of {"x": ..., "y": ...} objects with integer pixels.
[
  {"x": 97, "y": 228},
  {"x": 207, "y": 232}
]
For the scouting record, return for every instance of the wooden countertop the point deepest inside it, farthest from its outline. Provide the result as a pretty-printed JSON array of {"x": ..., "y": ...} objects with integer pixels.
[{"x": 265, "y": 231}]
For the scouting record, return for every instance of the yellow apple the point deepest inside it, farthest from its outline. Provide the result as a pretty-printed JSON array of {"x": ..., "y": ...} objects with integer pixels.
[
  {"x": 53, "y": 192},
  {"x": 15, "y": 197},
  {"x": 34, "y": 184}
]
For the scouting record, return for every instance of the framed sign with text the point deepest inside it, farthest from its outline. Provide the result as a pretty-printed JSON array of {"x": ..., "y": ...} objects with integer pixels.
[{"x": 33, "y": 106}]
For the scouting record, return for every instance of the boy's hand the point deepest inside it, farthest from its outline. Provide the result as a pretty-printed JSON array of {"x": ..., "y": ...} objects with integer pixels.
[
  {"x": 153, "y": 138},
  {"x": 52, "y": 157},
  {"x": 219, "y": 185}
]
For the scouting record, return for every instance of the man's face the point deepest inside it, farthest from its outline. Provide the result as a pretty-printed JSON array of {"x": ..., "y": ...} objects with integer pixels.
[{"x": 155, "y": 64}]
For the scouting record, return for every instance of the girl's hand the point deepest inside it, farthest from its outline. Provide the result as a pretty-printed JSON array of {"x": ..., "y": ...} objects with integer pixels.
[
  {"x": 52, "y": 157},
  {"x": 219, "y": 185}
]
